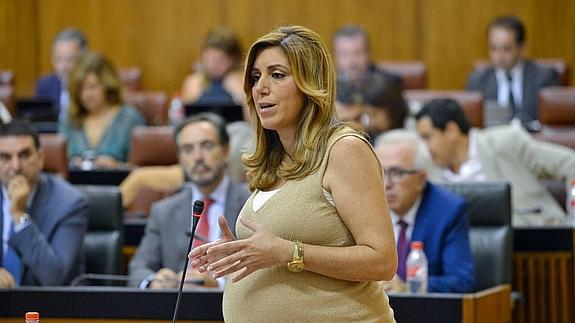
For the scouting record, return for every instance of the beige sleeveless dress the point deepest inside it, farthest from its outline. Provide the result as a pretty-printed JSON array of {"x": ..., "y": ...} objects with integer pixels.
[{"x": 300, "y": 211}]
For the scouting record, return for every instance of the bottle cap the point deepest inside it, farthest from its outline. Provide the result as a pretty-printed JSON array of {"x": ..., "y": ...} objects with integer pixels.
[
  {"x": 32, "y": 315},
  {"x": 416, "y": 245}
]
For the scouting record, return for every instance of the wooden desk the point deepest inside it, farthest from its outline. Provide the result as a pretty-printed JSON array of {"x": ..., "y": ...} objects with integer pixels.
[
  {"x": 543, "y": 269},
  {"x": 116, "y": 304}
]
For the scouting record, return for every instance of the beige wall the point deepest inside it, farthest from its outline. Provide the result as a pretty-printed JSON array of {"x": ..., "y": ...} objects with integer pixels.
[{"x": 163, "y": 37}]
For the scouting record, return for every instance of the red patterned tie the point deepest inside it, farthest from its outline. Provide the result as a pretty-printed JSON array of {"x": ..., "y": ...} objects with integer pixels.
[
  {"x": 203, "y": 231},
  {"x": 402, "y": 249}
]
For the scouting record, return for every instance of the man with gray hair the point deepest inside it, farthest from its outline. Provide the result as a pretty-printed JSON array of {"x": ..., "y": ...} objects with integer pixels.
[
  {"x": 422, "y": 211},
  {"x": 66, "y": 47}
]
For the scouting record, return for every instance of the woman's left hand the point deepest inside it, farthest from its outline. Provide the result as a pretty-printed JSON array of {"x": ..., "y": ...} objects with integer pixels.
[
  {"x": 105, "y": 161},
  {"x": 262, "y": 250}
]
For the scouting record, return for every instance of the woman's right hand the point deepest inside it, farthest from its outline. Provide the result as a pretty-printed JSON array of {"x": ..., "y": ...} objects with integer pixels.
[{"x": 200, "y": 259}]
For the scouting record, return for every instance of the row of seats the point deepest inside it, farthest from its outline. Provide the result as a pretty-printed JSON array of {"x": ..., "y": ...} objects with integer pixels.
[
  {"x": 490, "y": 230},
  {"x": 152, "y": 104},
  {"x": 150, "y": 146}
]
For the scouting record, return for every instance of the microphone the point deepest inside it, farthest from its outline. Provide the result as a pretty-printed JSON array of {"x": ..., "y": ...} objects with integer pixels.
[{"x": 197, "y": 209}]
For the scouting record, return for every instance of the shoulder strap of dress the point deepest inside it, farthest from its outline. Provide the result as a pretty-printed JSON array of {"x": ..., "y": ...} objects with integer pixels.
[{"x": 338, "y": 134}]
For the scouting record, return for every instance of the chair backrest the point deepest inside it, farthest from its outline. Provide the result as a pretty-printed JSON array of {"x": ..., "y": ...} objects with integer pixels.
[
  {"x": 130, "y": 78},
  {"x": 151, "y": 104},
  {"x": 152, "y": 146},
  {"x": 557, "y": 106},
  {"x": 490, "y": 233},
  {"x": 413, "y": 73},
  {"x": 559, "y": 64},
  {"x": 471, "y": 101},
  {"x": 105, "y": 236},
  {"x": 55, "y": 153}
]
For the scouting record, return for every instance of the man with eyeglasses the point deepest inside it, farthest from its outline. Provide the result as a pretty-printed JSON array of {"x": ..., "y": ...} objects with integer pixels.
[
  {"x": 43, "y": 219},
  {"x": 203, "y": 146},
  {"x": 421, "y": 211}
]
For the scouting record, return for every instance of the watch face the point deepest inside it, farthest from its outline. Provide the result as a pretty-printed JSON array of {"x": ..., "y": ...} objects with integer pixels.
[{"x": 295, "y": 266}]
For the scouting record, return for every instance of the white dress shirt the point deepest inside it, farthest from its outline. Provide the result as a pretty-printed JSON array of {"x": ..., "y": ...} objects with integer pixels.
[
  {"x": 516, "y": 85},
  {"x": 471, "y": 169}
]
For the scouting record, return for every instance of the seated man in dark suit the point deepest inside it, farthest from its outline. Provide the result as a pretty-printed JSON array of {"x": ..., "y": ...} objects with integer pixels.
[
  {"x": 421, "y": 211},
  {"x": 352, "y": 57},
  {"x": 44, "y": 218},
  {"x": 203, "y": 146},
  {"x": 512, "y": 81},
  {"x": 66, "y": 47}
]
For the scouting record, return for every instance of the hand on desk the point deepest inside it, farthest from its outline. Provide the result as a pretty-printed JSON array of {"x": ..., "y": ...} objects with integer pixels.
[
  {"x": 395, "y": 285},
  {"x": 167, "y": 278},
  {"x": 6, "y": 279}
]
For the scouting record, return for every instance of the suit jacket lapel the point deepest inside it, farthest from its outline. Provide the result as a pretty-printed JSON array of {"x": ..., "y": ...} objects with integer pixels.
[
  {"x": 183, "y": 219},
  {"x": 37, "y": 208},
  {"x": 1, "y": 229},
  {"x": 485, "y": 148},
  {"x": 420, "y": 219},
  {"x": 529, "y": 89},
  {"x": 232, "y": 206},
  {"x": 491, "y": 86}
]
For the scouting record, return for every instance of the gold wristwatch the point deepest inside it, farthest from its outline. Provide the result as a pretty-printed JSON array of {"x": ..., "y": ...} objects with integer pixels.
[{"x": 296, "y": 264}]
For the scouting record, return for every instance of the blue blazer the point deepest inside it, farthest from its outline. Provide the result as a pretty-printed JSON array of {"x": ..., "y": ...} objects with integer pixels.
[
  {"x": 50, "y": 247},
  {"x": 49, "y": 87},
  {"x": 442, "y": 224}
]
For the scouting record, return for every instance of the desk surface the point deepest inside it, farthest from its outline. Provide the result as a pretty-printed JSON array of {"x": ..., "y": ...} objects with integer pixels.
[
  {"x": 128, "y": 303},
  {"x": 98, "y": 177}
]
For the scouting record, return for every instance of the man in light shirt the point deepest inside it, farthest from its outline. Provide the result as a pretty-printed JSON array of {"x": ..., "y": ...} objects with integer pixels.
[
  {"x": 422, "y": 211},
  {"x": 505, "y": 153},
  {"x": 203, "y": 146},
  {"x": 511, "y": 81}
]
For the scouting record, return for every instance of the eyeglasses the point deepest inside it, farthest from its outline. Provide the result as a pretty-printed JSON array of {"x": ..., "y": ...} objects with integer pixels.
[{"x": 397, "y": 173}]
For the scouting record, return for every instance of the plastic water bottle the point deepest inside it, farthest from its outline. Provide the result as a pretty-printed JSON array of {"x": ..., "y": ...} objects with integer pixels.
[
  {"x": 571, "y": 200},
  {"x": 32, "y": 317},
  {"x": 176, "y": 111},
  {"x": 416, "y": 269}
]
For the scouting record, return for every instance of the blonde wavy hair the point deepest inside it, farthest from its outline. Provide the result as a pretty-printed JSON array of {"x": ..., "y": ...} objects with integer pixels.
[
  {"x": 102, "y": 67},
  {"x": 314, "y": 75}
]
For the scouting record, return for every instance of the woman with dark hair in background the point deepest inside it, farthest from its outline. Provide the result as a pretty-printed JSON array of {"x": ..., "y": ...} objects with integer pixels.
[{"x": 218, "y": 79}]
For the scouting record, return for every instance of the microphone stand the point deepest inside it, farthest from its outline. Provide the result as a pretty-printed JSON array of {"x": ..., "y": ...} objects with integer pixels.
[{"x": 198, "y": 209}]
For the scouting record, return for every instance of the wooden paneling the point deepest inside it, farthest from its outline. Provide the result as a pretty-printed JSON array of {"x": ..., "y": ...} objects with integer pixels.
[
  {"x": 19, "y": 41},
  {"x": 163, "y": 37},
  {"x": 546, "y": 283}
]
